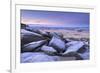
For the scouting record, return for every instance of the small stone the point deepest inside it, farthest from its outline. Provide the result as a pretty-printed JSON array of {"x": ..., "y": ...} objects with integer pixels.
[{"x": 48, "y": 50}]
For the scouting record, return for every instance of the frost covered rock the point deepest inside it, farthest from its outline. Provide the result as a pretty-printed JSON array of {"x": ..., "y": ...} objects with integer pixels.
[
  {"x": 33, "y": 46},
  {"x": 37, "y": 57},
  {"x": 57, "y": 44}
]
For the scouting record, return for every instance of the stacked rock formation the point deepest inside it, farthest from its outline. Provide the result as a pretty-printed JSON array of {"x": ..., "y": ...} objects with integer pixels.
[{"x": 42, "y": 46}]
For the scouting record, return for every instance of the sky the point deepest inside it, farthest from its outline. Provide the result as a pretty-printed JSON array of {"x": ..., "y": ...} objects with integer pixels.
[{"x": 55, "y": 18}]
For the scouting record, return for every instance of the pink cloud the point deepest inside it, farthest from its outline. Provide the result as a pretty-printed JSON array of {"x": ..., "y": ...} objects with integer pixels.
[{"x": 40, "y": 21}]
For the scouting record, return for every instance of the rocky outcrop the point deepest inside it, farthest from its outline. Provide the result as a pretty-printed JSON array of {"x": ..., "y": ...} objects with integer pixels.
[{"x": 42, "y": 46}]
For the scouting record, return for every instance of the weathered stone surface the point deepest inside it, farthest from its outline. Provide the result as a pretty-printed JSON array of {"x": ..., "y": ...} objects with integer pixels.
[
  {"x": 44, "y": 33},
  {"x": 48, "y": 50},
  {"x": 37, "y": 57},
  {"x": 57, "y": 44},
  {"x": 75, "y": 47},
  {"x": 33, "y": 30},
  {"x": 71, "y": 43},
  {"x": 27, "y": 36},
  {"x": 55, "y": 34},
  {"x": 41, "y": 32},
  {"x": 33, "y": 46},
  {"x": 37, "y": 31},
  {"x": 73, "y": 54}
]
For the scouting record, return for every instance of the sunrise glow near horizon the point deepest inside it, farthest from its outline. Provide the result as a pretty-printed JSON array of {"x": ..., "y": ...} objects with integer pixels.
[{"x": 55, "y": 18}]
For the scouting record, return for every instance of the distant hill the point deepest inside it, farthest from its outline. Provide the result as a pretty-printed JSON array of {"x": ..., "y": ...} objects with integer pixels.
[
  {"x": 55, "y": 27},
  {"x": 23, "y": 26}
]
